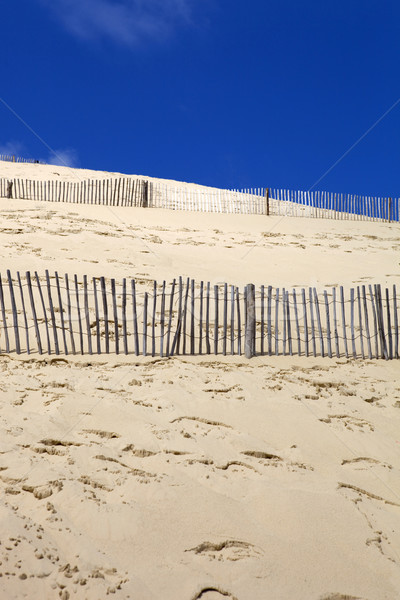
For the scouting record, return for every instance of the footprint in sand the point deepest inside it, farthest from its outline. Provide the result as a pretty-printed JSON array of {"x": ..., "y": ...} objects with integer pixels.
[{"x": 212, "y": 593}]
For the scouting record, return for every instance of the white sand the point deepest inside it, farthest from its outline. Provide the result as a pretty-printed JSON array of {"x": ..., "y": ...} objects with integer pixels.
[{"x": 171, "y": 479}]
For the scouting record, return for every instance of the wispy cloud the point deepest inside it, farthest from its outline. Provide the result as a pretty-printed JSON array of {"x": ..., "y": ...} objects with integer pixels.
[
  {"x": 128, "y": 22},
  {"x": 67, "y": 157}
]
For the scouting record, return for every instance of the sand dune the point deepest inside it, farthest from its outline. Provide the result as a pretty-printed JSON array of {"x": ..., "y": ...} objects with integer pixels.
[{"x": 203, "y": 477}]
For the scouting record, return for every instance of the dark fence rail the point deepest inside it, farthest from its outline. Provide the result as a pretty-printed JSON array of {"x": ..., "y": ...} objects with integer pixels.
[
  {"x": 129, "y": 191},
  {"x": 55, "y": 314}
]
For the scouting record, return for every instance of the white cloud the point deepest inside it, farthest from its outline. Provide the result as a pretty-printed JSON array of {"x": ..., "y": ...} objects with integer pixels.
[
  {"x": 67, "y": 157},
  {"x": 127, "y": 22}
]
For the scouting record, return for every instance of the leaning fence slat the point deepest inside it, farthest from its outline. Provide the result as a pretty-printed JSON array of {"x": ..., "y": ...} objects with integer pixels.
[
  {"x": 124, "y": 324},
  {"x": 239, "y": 345},
  {"x": 14, "y": 312},
  {"x": 216, "y": 300},
  {"x": 171, "y": 306},
  {"x": 249, "y": 340},
  {"x": 360, "y": 321},
  {"x": 379, "y": 315},
  {"x": 346, "y": 350},
  {"x": 115, "y": 314},
  {"x": 262, "y": 320},
  {"x": 86, "y": 311},
  {"x": 374, "y": 315},
  {"x": 134, "y": 317},
  {"x": 145, "y": 302},
  {"x": 208, "y": 347},
  {"x": 296, "y": 316},
  {"x": 201, "y": 318},
  {"x": 78, "y": 312},
  {"x": 180, "y": 302},
  {"x": 310, "y": 293},
  {"x": 328, "y": 324},
  {"x": 61, "y": 309},
  {"x": 162, "y": 320},
  {"x": 96, "y": 308},
  {"x": 289, "y": 327},
  {"x": 276, "y": 322},
  {"x": 303, "y": 298},
  {"x": 105, "y": 313},
  {"x": 225, "y": 318},
  {"x": 396, "y": 324},
  {"x": 269, "y": 320},
  {"x": 184, "y": 315},
  {"x": 317, "y": 312},
  {"x": 192, "y": 318},
  {"x": 232, "y": 320},
  {"x": 33, "y": 308},
  {"x": 389, "y": 325},
  {"x": 353, "y": 339},
  {"x": 44, "y": 312},
  {"x": 153, "y": 320},
  {"x": 335, "y": 323},
  {"x": 364, "y": 300},
  {"x": 24, "y": 313},
  {"x": 52, "y": 315}
]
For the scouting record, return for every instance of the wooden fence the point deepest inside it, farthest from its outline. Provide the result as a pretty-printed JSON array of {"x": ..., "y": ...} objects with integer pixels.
[
  {"x": 55, "y": 314},
  {"x": 123, "y": 191},
  {"x": 129, "y": 191},
  {"x": 18, "y": 159}
]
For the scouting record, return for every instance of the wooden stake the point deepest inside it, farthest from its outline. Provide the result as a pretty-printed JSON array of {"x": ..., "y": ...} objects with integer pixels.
[{"x": 52, "y": 315}]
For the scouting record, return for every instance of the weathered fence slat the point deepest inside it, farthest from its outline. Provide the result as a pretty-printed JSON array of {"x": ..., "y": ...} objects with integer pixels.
[
  {"x": 145, "y": 302},
  {"x": 276, "y": 322},
  {"x": 171, "y": 307},
  {"x": 153, "y": 320},
  {"x": 162, "y": 320},
  {"x": 250, "y": 334},
  {"x": 346, "y": 350},
  {"x": 192, "y": 317},
  {"x": 269, "y": 320},
  {"x": 78, "y": 312},
  {"x": 225, "y": 319},
  {"x": 44, "y": 312},
  {"x": 303, "y": 298},
  {"x": 33, "y": 308},
  {"x": 105, "y": 313},
  {"x": 52, "y": 315},
  {"x": 124, "y": 322},
  {"x": 185, "y": 315},
  {"x": 14, "y": 313},
  {"x": 335, "y": 323},
  {"x": 239, "y": 345},
  {"x": 328, "y": 325},
  {"x": 115, "y": 315},
  {"x": 396, "y": 324},
  {"x": 310, "y": 293},
  {"x": 96, "y": 309},
  {"x": 216, "y": 315},
  {"x": 134, "y": 317},
  {"x": 208, "y": 347},
  {"x": 389, "y": 325},
  {"x": 61, "y": 309}
]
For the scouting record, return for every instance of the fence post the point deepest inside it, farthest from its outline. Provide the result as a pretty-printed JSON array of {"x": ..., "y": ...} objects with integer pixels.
[
  {"x": 249, "y": 342},
  {"x": 9, "y": 189},
  {"x": 267, "y": 202}
]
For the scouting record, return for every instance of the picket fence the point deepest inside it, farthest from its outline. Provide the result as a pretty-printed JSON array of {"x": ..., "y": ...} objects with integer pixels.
[
  {"x": 55, "y": 314},
  {"x": 128, "y": 191},
  {"x": 19, "y": 159}
]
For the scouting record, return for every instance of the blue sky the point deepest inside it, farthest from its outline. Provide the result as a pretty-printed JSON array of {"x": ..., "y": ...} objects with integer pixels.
[{"x": 220, "y": 92}]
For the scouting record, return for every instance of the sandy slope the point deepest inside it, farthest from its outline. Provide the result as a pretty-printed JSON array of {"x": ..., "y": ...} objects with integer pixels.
[{"x": 179, "y": 479}]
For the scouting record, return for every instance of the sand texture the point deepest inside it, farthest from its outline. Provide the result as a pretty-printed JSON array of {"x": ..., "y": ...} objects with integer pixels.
[{"x": 188, "y": 478}]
